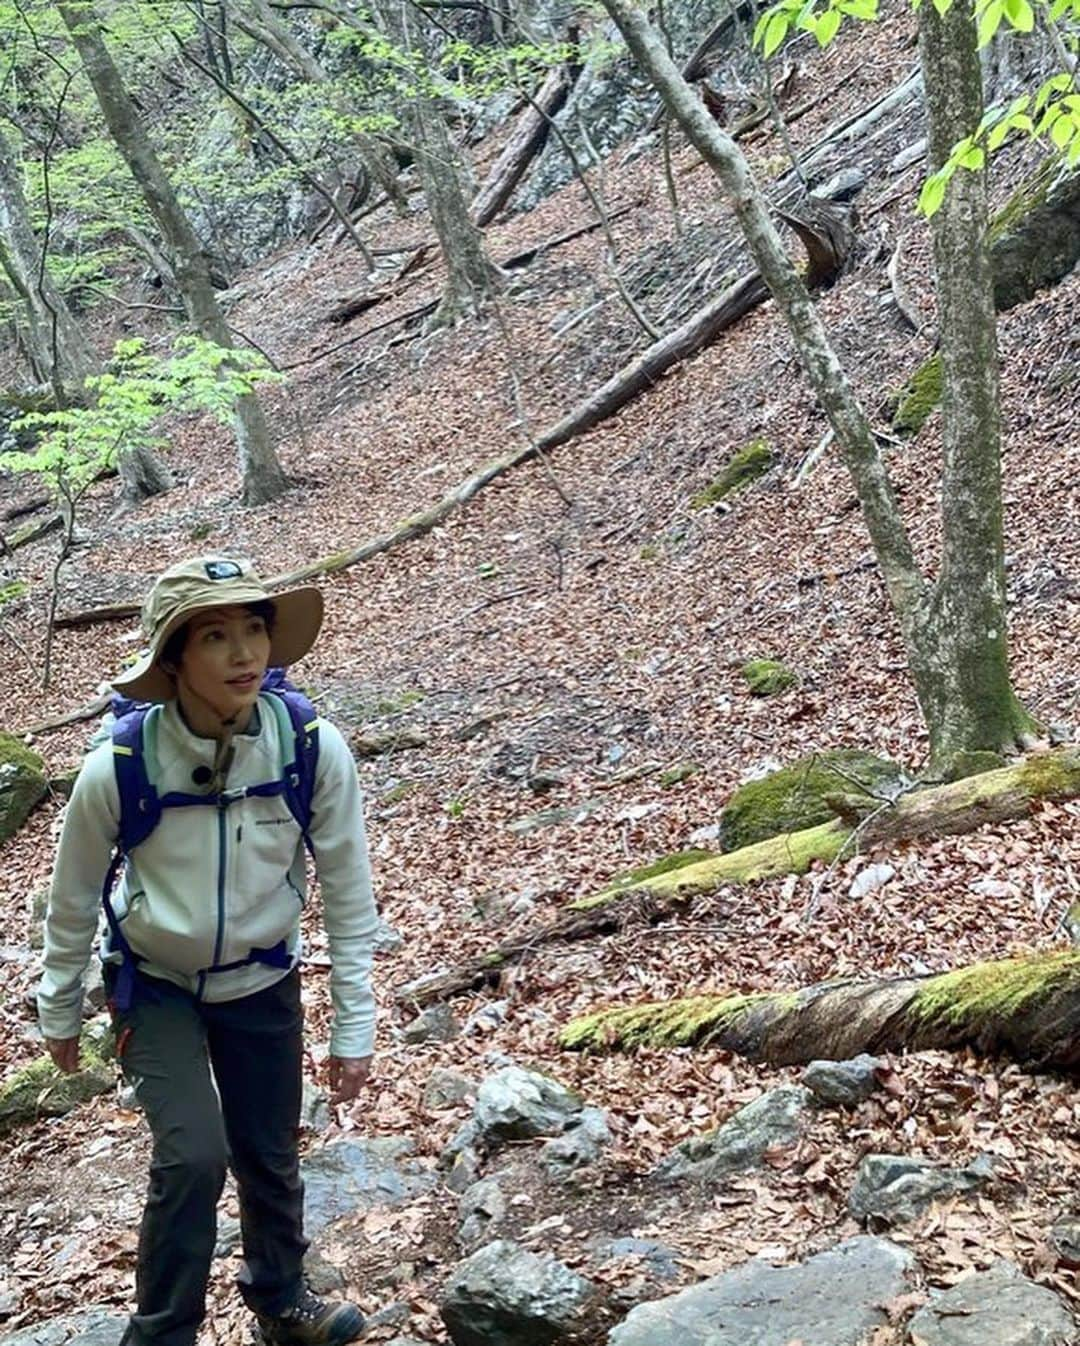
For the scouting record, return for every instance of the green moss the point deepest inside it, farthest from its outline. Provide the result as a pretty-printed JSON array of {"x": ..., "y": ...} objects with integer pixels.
[
  {"x": 751, "y": 462},
  {"x": 795, "y": 797},
  {"x": 675, "y": 775},
  {"x": 200, "y": 532},
  {"x": 918, "y": 397},
  {"x": 1031, "y": 194},
  {"x": 961, "y": 765},
  {"x": 401, "y": 791},
  {"x": 39, "y": 1090},
  {"x": 12, "y": 591},
  {"x": 972, "y": 996},
  {"x": 637, "y": 878},
  {"x": 14, "y": 752},
  {"x": 1051, "y": 775},
  {"x": 768, "y": 677},
  {"x": 693, "y": 1021},
  {"x": 396, "y": 705},
  {"x": 649, "y": 552}
]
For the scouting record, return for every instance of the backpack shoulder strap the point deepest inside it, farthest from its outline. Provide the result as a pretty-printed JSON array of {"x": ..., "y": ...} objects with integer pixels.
[
  {"x": 140, "y": 807},
  {"x": 298, "y": 723}
]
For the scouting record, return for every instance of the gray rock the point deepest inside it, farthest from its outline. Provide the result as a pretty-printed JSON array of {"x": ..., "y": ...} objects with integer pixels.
[
  {"x": 315, "y": 1112},
  {"x": 1000, "y": 1306},
  {"x": 833, "y": 1299},
  {"x": 463, "y": 1171},
  {"x": 97, "y": 1326},
  {"x": 22, "y": 784},
  {"x": 893, "y": 1188},
  {"x": 842, "y": 186},
  {"x": 1065, "y": 1241},
  {"x": 487, "y": 1018},
  {"x": 435, "y": 1024},
  {"x": 392, "y": 1315},
  {"x": 518, "y": 1104},
  {"x": 844, "y": 1083},
  {"x": 481, "y": 1209},
  {"x": 228, "y": 1236},
  {"x": 322, "y": 1276},
  {"x": 9, "y": 1302},
  {"x": 579, "y": 1145},
  {"x": 506, "y": 1296},
  {"x": 659, "y": 1260},
  {"x": 774, "y": 1119},
  {"x": 446, "y": 1088},
  {"x": 348, "y": 1176},
  {"x": 387, "y": 939}
]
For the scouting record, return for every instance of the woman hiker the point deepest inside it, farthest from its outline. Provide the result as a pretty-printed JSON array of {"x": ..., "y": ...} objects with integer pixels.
[{"x": 204, "y": 803}]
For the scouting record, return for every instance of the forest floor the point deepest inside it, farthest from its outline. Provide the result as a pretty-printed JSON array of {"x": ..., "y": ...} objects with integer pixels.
[{"x": 586, "y": 633}]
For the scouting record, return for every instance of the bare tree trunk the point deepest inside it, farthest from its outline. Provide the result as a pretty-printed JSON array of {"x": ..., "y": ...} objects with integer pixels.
[
  {"x": 975, "y": 708},
  {"x": 955, "y": 707},
  {"x": 143, "y": 474},
  {"x": 59, "y": 345},
  {"x": 262, "y": 475},
  {"x": 470, "y": 276}
]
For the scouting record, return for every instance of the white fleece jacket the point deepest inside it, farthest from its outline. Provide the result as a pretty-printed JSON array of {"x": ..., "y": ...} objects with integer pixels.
[{"x": 209, "y": 885}]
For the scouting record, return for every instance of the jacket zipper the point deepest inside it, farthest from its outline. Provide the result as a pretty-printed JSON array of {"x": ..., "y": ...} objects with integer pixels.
[{"x": 223, "y": 832}]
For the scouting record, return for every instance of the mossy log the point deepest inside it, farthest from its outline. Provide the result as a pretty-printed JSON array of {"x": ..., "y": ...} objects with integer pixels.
[
  {"x": 955, "y": 808},
  {"x": 1027, "y": 1008}
]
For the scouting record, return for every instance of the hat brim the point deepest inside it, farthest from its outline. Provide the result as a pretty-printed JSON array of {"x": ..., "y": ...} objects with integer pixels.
[{"x": 298, "y": 615}]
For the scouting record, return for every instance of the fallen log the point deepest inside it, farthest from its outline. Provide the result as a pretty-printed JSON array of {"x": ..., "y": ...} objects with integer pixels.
[
  {"x": 30, "y": 532},
  {"x": 696, "y": 63},
  {"x": 525, "y": 144},
  {"x": 353, "y": 305},
  {"x": 693, "y": 336},
  {"x": 1027, "y": 1008},
  {"x": 90, "y": 711},
  {"x": 822, "y": 227},
  {"x": 942, "y": 810}
]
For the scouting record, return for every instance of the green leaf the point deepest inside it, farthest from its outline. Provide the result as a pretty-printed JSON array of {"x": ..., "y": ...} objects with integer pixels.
[
  {"x": 990, "y": 21},
  {"x": 1020, "y": 15},
  {"x": 1049, "y": 117},
  {"x": 973, "y": 158},
  {"x": 932, "y": 194},
  {"x": 1072, "y": 158},
  {"x": 943, "y": 6},
  {"x": 1062, "y": 132},
  {"x": 998, "y": 135},
  {"x": 828, "y": 27},
  {"x": 775, "y": 32}
]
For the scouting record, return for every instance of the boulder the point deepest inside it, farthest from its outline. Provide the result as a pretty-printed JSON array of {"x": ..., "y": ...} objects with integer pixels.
[
  {"x": 796, "y": 796},
  {"x": 505, "y": 1296},
  {"x": 97, "y": 1326},
  {"x": 39, "y": 1090},
  {"x": 1000, "y": 1306},
  {"x": 446, "y": 1088},
  {"x": 775, "y": 1119},
  {"x": 893, "y": 1188},
  {"x": 22, "y": 784},
  {"x": 843, "y": 1083},
  {"x": 348, "y": 1176},
  {"x": 518, "y": 1104},
  {"x": 768, "y": 677},
  {"x": 833, "y": 1299},
  {"x": 434, "y": 1024},
  {"x": 579, "y": 1145},
  {"x": 481, "y": 1209}
]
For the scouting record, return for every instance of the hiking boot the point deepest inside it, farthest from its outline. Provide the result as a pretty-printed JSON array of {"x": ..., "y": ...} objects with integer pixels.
[{"x": 312, "y": 1322}]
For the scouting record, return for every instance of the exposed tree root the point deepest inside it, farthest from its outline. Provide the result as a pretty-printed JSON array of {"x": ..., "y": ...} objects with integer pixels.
[
  {"x": 958, "y": 807},
  {"x": 1027, "y": 1008}
]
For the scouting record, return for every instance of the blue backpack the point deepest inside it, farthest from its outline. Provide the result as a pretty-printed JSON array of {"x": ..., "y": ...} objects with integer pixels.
[{"x": 134, "y": 733}]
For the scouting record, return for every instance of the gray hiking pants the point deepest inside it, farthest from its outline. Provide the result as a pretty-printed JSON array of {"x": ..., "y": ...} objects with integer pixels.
[{"x": 169, "y": 1042}]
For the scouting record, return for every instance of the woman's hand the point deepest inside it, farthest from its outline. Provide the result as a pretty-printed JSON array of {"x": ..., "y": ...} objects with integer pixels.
[
  {"x": 64, "y": 1053},
  {"x": 348, "y": 1075}
]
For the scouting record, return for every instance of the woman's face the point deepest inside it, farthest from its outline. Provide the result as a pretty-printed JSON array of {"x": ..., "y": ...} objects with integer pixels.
[{"x": 224, "y": 659}]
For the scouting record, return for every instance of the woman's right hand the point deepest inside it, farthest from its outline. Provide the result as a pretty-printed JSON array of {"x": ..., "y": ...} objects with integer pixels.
[{"x": 64, "y": 1053}]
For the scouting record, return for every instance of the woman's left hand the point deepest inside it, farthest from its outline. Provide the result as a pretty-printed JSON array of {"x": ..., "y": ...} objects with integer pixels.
[{"x": 348, "y": 1075}]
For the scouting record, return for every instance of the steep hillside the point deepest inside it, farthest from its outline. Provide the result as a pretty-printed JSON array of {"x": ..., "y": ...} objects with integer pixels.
[{"x": 565, "y": 642}]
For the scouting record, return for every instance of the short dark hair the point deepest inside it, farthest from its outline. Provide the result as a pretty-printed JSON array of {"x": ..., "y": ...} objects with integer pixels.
[{"x": 173, "y": 650}]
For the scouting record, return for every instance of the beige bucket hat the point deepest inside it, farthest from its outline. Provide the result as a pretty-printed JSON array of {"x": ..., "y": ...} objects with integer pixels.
[{"x": 216, "y": 582}]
